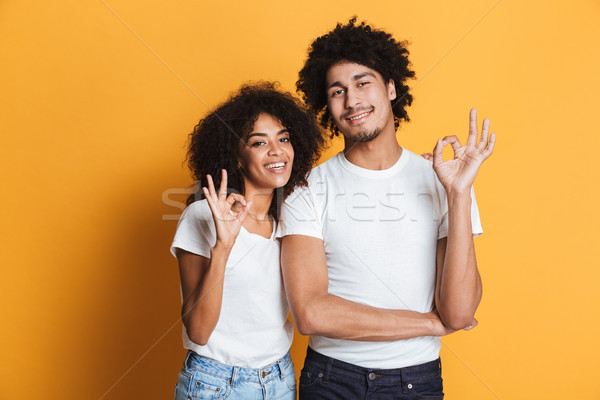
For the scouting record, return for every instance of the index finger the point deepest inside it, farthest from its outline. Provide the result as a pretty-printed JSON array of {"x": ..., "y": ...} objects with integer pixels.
[
  {"x": 223, "y": 187},
  {"x": 472, "y": 140}
]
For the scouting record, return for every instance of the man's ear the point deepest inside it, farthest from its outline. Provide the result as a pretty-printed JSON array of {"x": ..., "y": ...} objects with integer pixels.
[{"x": 391, "y": 87}]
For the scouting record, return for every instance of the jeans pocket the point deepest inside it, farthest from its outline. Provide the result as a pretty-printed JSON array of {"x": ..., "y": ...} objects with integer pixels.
[
  {"x": 428, "y": 389},
  {"x": 208, "y": 387},
  {"x": 182, "y": 387},
  {"x": 290, "y": 381},
  {"x": 309, "y": 376},
  {"x": 290, "y": 377}
]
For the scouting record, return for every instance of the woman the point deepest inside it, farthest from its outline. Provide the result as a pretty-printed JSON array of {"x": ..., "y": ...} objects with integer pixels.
[{"x": 255, "y": 148}]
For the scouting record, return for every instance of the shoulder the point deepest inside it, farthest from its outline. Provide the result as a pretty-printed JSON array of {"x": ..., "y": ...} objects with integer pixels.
[
  {"x": 198, "y": 210},
  {"x": 325, "y": 170},
  {"x": 416, "y": 160},
  {"x": 419, "y": 166}
]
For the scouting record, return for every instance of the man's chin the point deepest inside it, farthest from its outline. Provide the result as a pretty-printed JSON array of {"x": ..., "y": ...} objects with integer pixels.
[{"x": 363, "y": 136}]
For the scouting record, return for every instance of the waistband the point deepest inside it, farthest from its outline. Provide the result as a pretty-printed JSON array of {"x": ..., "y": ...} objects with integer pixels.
[
  {"x": 233, "y": 373},
  {"x": 414, "y": 373}
]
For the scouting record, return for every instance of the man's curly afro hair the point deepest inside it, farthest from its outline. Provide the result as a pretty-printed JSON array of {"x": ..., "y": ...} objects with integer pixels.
[
  {"x": 215, "y": 142},
  {"x": 359, "y": 44}
]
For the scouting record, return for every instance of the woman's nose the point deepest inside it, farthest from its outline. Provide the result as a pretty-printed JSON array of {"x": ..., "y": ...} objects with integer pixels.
[{"x": 275, "y": 149}]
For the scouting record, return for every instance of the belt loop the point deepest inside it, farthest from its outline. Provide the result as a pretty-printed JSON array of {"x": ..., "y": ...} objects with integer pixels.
[
  {"x": 327, "y": 370},
  {"x": 404, "y": 381},
  {"x": 281, "y": 374},
  {"x": 234, "y": 376},
  {"x": 187, "y": 357}
]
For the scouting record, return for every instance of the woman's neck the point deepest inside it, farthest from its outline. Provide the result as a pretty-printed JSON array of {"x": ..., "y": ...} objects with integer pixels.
[{"x": 261, "y": 203}]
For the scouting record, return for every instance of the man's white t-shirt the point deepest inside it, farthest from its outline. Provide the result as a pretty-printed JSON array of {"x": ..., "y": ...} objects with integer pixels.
[
  {"x": 380, "y": 231},
  {"x": 253, "y": 328}
]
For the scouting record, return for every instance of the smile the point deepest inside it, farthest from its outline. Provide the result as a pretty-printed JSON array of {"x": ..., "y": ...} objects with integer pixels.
[
  {"x": 278, "y": 165},
  {"x": 358, "y": 116},
  {"x": 356, "y": 119}
]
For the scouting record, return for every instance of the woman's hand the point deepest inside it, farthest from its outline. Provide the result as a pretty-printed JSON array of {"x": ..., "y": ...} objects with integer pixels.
[
  {"x": 228, "y": 223},
  {"x": 457, "y": 175}
]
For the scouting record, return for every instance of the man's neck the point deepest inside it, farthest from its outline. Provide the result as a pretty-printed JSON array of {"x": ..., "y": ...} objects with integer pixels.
[{"x": 377, "y": 154}]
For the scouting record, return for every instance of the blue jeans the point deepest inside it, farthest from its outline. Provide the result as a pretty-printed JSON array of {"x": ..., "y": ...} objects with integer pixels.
[
  {"x": 327, "y": 378},
  {"x": 203, "y": 378}
]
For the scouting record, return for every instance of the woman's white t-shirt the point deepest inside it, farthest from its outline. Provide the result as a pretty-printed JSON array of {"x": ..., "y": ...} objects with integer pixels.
[{"x": 253, "y": 329}]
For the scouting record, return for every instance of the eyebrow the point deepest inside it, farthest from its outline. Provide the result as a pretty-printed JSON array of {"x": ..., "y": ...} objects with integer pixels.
[
  {"x": 354, "y": 79},
  {"x": 284, "y": 130}
]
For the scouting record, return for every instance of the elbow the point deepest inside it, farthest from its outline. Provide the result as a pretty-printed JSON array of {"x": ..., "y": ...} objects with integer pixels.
[
  {"x": 306, "y": 323},
  {"x": 458, "y": 321},
  {"x": 459, "y": 324},
  {"x": 195, "y": 333},
  {"x": 198, "y": 337}
]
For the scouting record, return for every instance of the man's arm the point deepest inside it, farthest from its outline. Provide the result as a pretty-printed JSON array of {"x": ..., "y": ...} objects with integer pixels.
[
  {"x": 458, "y": 287},
  {"x": 316, "y": 312}
]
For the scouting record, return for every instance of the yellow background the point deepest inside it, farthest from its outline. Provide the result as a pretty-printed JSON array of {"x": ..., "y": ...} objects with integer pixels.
[{"x": 97, "y": 98}]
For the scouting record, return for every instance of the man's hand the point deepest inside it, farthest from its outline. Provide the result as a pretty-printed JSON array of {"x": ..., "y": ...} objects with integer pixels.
[
  {"x": 457, "y": 175},
  {"x": 442, "y": 330}
]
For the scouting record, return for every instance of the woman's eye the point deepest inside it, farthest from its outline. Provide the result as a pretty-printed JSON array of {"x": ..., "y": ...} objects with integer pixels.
[
  {"x": 285, "y": 139},
  {"x": 257, "y": 144}
]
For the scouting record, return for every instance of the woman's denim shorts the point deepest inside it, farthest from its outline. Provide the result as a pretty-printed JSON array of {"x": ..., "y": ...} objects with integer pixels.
[{"x": 203, "y": 378}]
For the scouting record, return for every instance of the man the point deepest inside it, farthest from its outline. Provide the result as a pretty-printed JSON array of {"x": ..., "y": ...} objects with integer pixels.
[{"x": 377, "y": 253}]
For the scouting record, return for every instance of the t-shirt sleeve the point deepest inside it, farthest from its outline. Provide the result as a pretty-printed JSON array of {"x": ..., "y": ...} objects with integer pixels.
[
  {"x": 475, "y": 220},
  {"x": 299, "y": 216},
  {"x": 195, "y": 230}
]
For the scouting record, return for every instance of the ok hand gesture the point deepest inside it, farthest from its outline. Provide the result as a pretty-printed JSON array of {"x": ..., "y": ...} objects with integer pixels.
[
  {"x": 457, "y": 175},
  {"x": 228, "y": 223}
]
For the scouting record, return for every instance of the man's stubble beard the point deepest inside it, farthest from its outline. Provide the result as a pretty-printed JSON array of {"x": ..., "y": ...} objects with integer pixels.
[{"x": 366, "y": 135}]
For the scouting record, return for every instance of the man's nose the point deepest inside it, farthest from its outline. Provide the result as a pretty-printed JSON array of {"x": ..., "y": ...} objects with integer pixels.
[{"x": 352, "y": 99}]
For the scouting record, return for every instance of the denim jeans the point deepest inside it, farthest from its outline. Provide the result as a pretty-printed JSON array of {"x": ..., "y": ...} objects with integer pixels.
[
  {"x": 327, "y": 378},
  {"x": 203, "y": 378}
]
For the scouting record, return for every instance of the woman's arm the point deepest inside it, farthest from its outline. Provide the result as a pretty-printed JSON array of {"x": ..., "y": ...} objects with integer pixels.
[
  {"x": 201, "y": 277},
  {"x": 202, "y": 289}
]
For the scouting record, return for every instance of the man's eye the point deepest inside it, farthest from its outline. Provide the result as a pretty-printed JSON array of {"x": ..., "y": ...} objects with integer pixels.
[
  {"x": 363, "y": 83},
  {"x": 337, "y": 92}
]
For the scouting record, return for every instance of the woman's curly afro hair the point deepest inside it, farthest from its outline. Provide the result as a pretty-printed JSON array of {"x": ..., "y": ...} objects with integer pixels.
[
  {"x": 215, "y": 142},
  {"x": 359, "y": 44}
]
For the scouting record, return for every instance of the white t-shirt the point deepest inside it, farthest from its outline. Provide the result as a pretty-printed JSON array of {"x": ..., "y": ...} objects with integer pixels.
[
  {"x": 380, "y": 231},
  {"x": 253, "y": 328}
]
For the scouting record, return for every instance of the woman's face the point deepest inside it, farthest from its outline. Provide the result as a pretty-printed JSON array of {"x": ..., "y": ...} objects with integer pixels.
[{"x": 266, "y": 155}]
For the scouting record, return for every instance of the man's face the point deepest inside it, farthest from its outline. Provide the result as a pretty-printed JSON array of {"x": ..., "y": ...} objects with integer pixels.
[{"x": 359, "y": 100}]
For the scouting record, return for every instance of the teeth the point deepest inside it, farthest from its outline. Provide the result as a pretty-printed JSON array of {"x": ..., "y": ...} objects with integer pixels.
[
  {"x": 358, "y": 116},
  {"x": 275, "y": 165}
]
